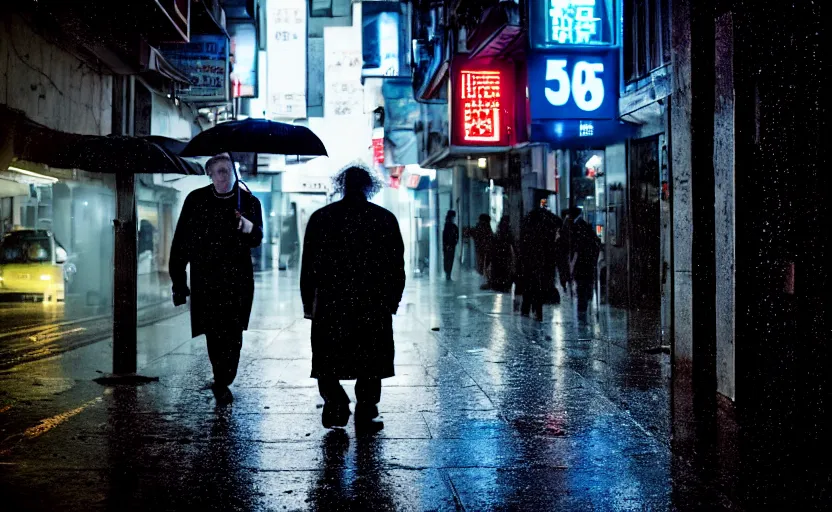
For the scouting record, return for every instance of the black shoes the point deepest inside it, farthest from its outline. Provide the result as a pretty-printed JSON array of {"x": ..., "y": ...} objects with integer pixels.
[
  {"x": 366, "y": 419},
  {"x": 335, "y": 415},
  {"x": 222, "y": 394}
]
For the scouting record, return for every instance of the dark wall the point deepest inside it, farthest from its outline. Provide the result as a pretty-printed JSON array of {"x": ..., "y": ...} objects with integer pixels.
[{"x": 783, "y": 238}]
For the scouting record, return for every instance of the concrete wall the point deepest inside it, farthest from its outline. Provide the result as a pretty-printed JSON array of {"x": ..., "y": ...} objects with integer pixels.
[
  {"x": 52, "y": 86},
  {"x": 724, "y": 171},
  {"x": 680, "y": 166}
]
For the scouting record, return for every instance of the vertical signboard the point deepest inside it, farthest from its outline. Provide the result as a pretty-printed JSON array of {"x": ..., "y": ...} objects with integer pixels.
[
  {"x": 482, "y": 105},
  {"x": 287, "y": 58},
  {"x": 573, "y": 71},
  {"x": 344, "y": 94},
  {"x": 205, "y": 61}
]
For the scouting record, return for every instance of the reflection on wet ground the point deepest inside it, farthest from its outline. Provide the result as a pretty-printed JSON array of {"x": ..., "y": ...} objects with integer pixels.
[
  {"x": 36, "y": 330},
  {"x": 492, "y": 411}
]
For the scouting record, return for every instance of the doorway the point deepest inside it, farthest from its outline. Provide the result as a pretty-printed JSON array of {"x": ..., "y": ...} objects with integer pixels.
[{"x": 645, "y": 223}]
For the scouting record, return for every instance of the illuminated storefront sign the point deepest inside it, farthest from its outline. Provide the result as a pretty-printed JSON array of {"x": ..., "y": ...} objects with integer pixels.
[
  {"x": 573, "y": 86},
  {"x": 480, "y": 98},
  {"x": 483, "y": 104},
  {"x": 572, "y": 23}
]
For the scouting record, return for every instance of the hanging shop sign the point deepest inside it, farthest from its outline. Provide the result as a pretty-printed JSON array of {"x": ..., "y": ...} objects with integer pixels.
[
  {"x": 244, "y": 48},
  {"x": 482, "y": 105},
  {"x": 574, "y": 85},
  {"x": 205, "y": 61},
  {"x": 564, "y": 23}
]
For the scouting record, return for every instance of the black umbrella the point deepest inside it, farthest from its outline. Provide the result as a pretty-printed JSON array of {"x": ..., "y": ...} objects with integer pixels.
[
  {"x": 120, "y": 154},
  {"x": 255, "y": 136}
]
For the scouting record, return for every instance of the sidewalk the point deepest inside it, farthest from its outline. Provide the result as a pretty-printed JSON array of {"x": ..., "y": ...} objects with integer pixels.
[{"x": 490, "y": 411}]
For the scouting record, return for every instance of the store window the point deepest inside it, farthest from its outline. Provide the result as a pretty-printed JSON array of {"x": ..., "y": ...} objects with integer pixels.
[
  {"x": 588, "y": 188},
  {"x": 646, "y": 37}
]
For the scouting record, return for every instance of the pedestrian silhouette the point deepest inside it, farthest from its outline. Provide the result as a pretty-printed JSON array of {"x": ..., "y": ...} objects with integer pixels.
[
  {"x": 538, "y": 261},
  {"x": 450, "y": 238},
  {"x": 352, "y": 280},
  {"x": 218, "y": 227}
]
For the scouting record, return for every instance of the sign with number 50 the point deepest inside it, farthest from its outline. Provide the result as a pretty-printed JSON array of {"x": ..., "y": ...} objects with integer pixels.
[{"x": 573, "y": 86}]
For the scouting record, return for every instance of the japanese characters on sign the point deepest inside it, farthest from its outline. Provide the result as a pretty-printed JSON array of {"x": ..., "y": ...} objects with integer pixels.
[
  {"x": 572, "y": 23},
  {"x": 479, "y": 93},
  {"x": 205, "y": 60},
  {"x": 287, "y": 58}
]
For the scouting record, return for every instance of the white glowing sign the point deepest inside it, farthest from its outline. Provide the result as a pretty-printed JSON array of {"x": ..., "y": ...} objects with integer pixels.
[{"x": 575, "y": 22}]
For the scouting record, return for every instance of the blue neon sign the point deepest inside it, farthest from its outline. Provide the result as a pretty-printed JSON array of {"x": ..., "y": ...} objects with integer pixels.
[{"x": 573, "y": 86}]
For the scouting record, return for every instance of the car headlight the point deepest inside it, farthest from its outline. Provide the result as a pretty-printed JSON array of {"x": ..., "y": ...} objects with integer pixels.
[{"x": 45, "y": 277}]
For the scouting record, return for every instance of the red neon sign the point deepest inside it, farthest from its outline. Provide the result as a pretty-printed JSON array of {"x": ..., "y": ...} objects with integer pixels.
[{"x": 480, "y": 95}]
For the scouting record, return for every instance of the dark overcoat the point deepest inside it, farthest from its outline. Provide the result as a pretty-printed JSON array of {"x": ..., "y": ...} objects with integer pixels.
[
  {"x": 352, "y": 280},
  {"x": 538, "y": 251},
  {"x": 222, "y": 276}
]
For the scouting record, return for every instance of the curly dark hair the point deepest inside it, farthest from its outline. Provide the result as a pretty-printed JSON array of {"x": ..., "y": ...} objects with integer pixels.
[{"x": 357, "y": 178}]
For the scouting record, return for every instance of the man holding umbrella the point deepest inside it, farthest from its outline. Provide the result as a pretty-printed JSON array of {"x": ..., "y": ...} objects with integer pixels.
[{"x": 218, "y": 227}]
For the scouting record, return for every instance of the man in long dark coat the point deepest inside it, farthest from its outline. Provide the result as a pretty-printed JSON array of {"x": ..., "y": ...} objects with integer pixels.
[
  {"x": 538, "y": 260},
  {"x": 218, "y": 227},
  {"x": 351, "y": 283}
]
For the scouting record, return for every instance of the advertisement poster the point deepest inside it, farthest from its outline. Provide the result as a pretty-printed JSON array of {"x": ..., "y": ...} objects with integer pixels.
[
  {"x": 205, "y": 61},
  {"x": 287, "y": 58},
  {"x": 344, "y": 94}
]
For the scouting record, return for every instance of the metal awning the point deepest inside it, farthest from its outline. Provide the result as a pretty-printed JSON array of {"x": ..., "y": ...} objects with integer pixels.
[
  {"x": 157, "y": 71},
  {"x": 206, "y": 21},
  {"x": 499, "y": 31}
]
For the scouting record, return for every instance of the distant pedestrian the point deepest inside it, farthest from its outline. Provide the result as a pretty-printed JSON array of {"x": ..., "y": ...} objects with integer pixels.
[
  {"x": 450, "y": 238},
  {"x": 585, "y": 246},
  {"x": 562, "y": 253},
  {"x": 218, "y": 227},
  {"x": 482, "y": 235},
  {"x": 351, "y": 283},
  {"x": 502, "y": 258}
]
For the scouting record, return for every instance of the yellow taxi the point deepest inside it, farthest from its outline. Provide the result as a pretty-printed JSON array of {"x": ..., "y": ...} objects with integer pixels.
[{"x": 32, "y": 266}]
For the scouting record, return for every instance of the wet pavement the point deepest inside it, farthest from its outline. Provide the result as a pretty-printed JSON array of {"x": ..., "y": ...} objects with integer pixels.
[{"x": 488, "y": 411}]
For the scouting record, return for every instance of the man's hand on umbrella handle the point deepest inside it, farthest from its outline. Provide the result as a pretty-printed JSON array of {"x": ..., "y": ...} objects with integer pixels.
[{"x": 244, "y": 225}]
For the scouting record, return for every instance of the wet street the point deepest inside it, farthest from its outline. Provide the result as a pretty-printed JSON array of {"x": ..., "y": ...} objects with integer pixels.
[{"x": 488, "y": 411}]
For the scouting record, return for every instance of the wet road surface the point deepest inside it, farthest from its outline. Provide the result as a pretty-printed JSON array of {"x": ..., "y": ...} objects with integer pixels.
[{"x": 488, "y": 411}]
